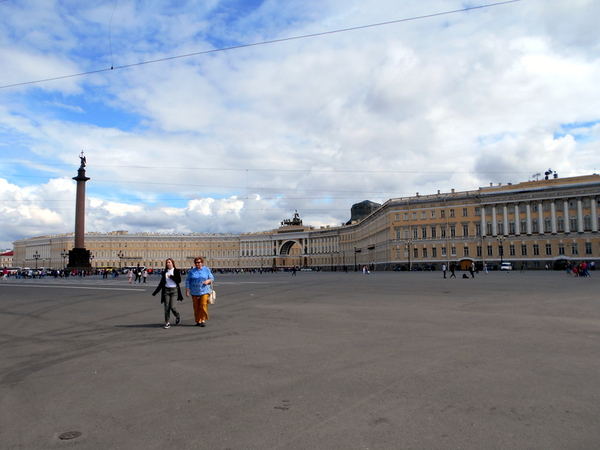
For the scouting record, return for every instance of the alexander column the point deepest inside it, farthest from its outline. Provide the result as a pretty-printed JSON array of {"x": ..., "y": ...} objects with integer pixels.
[{"x": 79, "y": 257}]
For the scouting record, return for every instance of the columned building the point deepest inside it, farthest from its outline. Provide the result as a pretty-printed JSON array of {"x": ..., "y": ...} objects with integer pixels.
[{"x": 534, "y": 223}]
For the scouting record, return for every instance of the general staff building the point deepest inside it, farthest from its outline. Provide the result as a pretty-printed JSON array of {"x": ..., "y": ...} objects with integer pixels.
[{"x": 535, "y": 224}]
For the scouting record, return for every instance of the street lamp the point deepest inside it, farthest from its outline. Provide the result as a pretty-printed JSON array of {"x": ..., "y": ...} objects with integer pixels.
[
  {"x": 356, "y": 250},
  {"x": 121, "y": 255},
  {"x": 500, "y": 240},
  {"x": 408, "y": 243},
  {"x": 36, "y": 256},
  {"x": 64, "y": 255},
  {"x": 91, "y": 259}
]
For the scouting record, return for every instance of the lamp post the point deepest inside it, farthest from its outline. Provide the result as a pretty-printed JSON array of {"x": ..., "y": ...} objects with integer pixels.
[
  {"x": 65, "y": 255},
  {"x": 91, "y": 259},
  {"x": 121, "y": 255},
  {"x": 500, "y": 240},
  {"x": 36, "y": 256},
  {"x": 408, "y": 243},
  {"x": 356, "y": 250}
]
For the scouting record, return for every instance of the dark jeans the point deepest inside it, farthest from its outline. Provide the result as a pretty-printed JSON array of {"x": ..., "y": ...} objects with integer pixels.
[{"x": 170, "y": 300}]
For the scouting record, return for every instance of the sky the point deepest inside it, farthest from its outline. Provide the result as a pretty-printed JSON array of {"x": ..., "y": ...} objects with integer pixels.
[{"x": 229, "y": 116}]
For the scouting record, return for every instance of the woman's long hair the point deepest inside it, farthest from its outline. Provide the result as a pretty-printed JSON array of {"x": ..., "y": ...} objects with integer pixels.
[{"x": 172, "y": 260}]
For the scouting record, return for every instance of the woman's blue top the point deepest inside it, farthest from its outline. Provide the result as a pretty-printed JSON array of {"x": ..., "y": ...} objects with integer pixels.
[{"x": 196, "y": 278}]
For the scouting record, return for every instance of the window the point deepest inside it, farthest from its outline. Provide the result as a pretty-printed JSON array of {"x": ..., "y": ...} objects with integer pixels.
[
  {"x": 424, "y": 232},
  {"x": 433, "y": 231},
  {"x": 548, "y": 249},
  {"x": 397, "y": 217},
  {"x": 561, "y": 249},
  {"x": 511, "y": 208},
  {"x": 477, "y": 229},
  {"x": 534, "y": 207},
  {"x": 512, "y": 250},
  {"x": 465, "y": 251},
  {"x": 574, "y": 249},
  {"x": 559, "y": 205},
  {"x": 490, "y": 250},
  {"x": 488, "y": 228},
  {"x": 443, "y": 213},
  {"x": 414, "y": 216},
  {"x": 434, "y": 252},
  {"x": 432, "y": 214},
  {"x": 573, "y": 223},
  {"x": 451, "y": 212},
  {"x": 536, "y": 250},
  {"x": 500, "y": 227},
  {"x": 479, "y": 251},
  {"x": 511, "y": 227},
  {"x": 443, "y": 231},
  {"x": 423, "y": 215},
  {"x": 546, "y": 206},
  {"x": 547, "y": 225},
  {"x": 465, "y": 212},
  {"x": 523, "y": 226},
  {"x": 534, "y": 226},
  {"x": 443, "y": 251},
  {"x": 572, "y": 204},
  {"x": 466, "y": 230},
  {"x": 523, "y": 250},
  {"x": 453, "y": 251},
  {"x": 415, "y": 233},
  {"x": 405, "y": 216},
  {"x": 588, "y": 248},
  {"x": 488, "y": 210},
  {"x": 452, "y": 230},
  {"x": 477, "y": 211},
  {"x": 560, "y": 224},
  {"x": 415, "y": 252},
  {"x": 587, "y": 223},
  {"x": 398, "y": 234},
  {"x": 424, "y": 252}
]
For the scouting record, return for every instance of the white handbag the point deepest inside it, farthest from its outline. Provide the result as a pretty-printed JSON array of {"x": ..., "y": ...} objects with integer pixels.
[{"x": 212, "y": 296}]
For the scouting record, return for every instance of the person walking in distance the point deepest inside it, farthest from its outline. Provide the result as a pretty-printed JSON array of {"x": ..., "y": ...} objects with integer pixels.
[
  {"x": 452, "y": 269},
  {"x": 170, "y": 291},
  {"x": 197, "y": 284},
  {"x": 444, "y": 269}
]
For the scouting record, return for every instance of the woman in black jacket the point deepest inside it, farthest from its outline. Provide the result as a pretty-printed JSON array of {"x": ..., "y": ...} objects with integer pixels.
[{"x": 169, "y": 285}]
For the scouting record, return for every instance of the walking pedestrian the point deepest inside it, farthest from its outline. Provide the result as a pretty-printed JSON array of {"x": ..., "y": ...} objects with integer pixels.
[
  {"x": 452, "y": 269},
  {"x": 197, "y": 284},
  {"x": 170, "y": 291},
  {"x": 444, "y": 268}
]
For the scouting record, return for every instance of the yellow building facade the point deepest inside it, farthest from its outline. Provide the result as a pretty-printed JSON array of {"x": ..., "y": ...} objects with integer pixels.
[{"x": 534, "y": 224}]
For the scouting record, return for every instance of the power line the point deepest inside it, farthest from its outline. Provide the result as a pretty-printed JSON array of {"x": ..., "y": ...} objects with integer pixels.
[
  {"x": 274, "y": 41},
  {"x": 242, "y": 169}
]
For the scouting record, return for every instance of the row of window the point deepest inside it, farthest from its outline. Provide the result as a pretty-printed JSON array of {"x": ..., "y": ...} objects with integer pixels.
[
  {"x": 425, "y": 232},
  {"x": 153, "y": 254},
  {"x": 500, "y": 251},
  {"x": 432, "y": 214}
]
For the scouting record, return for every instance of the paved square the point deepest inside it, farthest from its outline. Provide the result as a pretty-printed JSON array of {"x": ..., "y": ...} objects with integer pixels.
[{"x": 390, "y": 360}]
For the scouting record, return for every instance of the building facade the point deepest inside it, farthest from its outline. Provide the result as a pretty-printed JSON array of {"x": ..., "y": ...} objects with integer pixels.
[{"x": 534, "y": 224}]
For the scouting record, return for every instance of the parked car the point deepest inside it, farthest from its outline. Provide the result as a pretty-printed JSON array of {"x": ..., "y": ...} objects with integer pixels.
[{"x": 506, "y": 266}]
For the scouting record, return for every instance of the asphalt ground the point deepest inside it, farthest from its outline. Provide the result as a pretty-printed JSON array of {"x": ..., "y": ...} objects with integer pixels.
[{"x": 390, "y": 360}]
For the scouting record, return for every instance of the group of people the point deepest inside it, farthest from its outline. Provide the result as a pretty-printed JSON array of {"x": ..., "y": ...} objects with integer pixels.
[
  {"x": 579, "y": 270},
  {"x": 198, "y": 285}
]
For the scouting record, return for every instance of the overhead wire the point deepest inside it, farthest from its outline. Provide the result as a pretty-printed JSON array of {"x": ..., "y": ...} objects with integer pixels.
[{"x": 255, "y": 44}]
